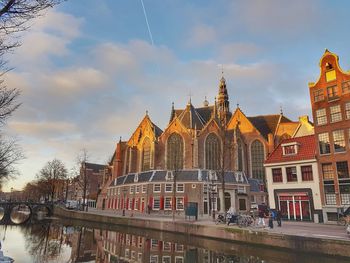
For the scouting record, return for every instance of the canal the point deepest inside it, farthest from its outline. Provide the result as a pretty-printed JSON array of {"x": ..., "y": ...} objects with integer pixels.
[{"x": 62, "y": 240}]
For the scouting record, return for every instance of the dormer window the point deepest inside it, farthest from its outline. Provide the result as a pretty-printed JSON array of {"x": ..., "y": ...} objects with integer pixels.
[{"x": 290, "y": 148}]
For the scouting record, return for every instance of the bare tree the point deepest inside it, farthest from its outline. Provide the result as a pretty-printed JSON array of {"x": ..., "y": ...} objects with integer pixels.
[
  {"x": 82, "y": 159},
  {"x": 15, "y": 16},
  {"x": 10, "y": 154},
  {"x": 54, "y": 174}
]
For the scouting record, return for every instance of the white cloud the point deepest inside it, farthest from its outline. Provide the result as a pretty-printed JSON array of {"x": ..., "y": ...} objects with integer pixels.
[{"x": 201, "y": 35}]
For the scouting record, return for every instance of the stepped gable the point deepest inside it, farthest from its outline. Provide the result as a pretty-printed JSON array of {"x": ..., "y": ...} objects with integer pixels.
[
  {"x": 306, "y": 150},
  {"x": 266, "y": 124}
]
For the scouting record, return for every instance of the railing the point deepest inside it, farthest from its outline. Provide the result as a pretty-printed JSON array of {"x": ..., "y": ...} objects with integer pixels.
[
  {"x": 331, "y": 199},
  {"x": 345, "y": 199}
]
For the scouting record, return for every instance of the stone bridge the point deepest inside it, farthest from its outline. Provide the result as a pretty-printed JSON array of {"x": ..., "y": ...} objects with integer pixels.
[{"x": 33, "y": 209}]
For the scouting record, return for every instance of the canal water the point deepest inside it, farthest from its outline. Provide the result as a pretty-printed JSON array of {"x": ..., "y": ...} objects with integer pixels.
[{"x": 62, "y": 240}]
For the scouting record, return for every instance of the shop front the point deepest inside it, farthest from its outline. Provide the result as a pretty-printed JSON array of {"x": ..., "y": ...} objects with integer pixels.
[{"x": 295, "y": 206}]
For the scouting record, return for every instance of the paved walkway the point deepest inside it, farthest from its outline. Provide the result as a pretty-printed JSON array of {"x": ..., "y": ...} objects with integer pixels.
[{"x": 306, "y": 229}]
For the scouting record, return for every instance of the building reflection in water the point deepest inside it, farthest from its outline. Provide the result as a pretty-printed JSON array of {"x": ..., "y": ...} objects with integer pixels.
[{"x": 122, "y": 247}]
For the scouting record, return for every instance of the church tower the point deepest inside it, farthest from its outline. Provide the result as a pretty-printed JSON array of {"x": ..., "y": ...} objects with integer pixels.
[{"x": 223, "y": 103}]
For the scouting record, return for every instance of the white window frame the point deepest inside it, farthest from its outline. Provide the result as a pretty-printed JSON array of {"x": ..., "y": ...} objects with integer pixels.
[
  {"x": 144, "y": 188},
  {"x": 167, "y": 190},
  {"x": 336, "y": 109},
  {"x": 118, "y": 190},
  {"x": 154, "y": 244},
  {"x": 156, "y": 186},
  {"x": 180, "y": 202},
  {"x": 167, "y": 247},
  {"x": 136, "y": 204},
  {"x": 132, "y": 189},
  {"x": 179, "y": 186},
  {"x": 158, "y": 206},
  {"x": 153, "y": 259},
  {"x": 321, "y": 113},
  {"x": 165, "y": 203},
  {"x": 137, "y": 189},
  {"x": 130, "y": 204}
]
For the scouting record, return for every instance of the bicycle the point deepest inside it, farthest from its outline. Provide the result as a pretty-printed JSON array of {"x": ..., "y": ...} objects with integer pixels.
[
  {"x": 343, "y": 220},
  {"x": 244, "y": 220}
]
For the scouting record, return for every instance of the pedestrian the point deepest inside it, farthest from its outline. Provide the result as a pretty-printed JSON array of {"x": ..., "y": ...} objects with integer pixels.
[
  {"x": 279, "y": 217},
  {"x": 149, "y": 209},
  {"x": 270, "y": 220},
  {"x": 261, "y": 216}
]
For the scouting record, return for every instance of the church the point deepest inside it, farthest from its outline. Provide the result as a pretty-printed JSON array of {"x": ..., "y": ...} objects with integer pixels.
[{"x": 208, "y": 147}]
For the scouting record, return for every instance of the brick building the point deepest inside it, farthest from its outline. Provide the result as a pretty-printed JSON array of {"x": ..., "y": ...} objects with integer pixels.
[
  {"x": 210, "y": 138},
  {"x": 330, "y": 100},
  {"x": 293, "y": 179}
]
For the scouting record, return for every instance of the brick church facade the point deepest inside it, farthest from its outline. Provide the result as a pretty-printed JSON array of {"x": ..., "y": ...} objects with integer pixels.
[{"x": 208, "y": 138}]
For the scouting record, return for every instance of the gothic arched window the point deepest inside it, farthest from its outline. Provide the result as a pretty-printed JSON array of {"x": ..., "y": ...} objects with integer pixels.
[
  {"x": 258, "y": 156},
  {"x": 240, "y": 155},
  {"x": 175, "y": 152},
  {"x": 146, "y": 154},
  {"x": 212, "y": 152}
]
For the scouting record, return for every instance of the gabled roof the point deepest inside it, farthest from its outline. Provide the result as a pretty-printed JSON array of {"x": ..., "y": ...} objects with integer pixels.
[
  {"x": 266, "y": 124},
  {"x": 306, "y": 150},
  {"x": 191, "y": 119},
  {"x": 95, "y": 167}
]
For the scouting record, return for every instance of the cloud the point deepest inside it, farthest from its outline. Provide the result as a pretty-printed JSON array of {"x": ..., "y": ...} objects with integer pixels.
[{"x": 201, "y": 35}]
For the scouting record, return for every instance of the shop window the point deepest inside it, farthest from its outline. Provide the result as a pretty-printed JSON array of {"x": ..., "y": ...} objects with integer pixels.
[
  {"x": 342, "y": 170},
  {"x": 291, "y": 174},
  {"x": 318, "y": 95},
  {"x": 339, "y": 141},
  {"x": 321, "y": 117},
  {"x": 277, "y": 175},
  {"x": 306, "y": 173},
  {"x": 324, "y": 144},
  {"x": 327, "y": 171}
]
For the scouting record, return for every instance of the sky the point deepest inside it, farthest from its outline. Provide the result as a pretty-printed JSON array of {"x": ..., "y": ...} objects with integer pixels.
[{"x": 90, "y": 69}]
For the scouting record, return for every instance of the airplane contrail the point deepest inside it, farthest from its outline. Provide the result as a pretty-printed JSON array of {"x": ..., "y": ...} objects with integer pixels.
[{"x": 149, "y": 29}]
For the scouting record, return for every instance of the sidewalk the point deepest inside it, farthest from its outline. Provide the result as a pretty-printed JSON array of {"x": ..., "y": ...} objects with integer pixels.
[{"x": 304, "y": 229}]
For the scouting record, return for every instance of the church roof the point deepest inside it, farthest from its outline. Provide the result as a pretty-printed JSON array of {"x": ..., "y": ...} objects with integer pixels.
[
  {"x": 306, "y": 150},
  {"x": 267, "y": 123},
  {"x": 190, "y": 118},
  {"x": 95, "y": 167},
  {"x": 158, "y": 131}
]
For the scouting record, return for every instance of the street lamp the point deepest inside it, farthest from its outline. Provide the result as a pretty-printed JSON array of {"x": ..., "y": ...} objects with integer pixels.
[{"x": 212, "y": 177}]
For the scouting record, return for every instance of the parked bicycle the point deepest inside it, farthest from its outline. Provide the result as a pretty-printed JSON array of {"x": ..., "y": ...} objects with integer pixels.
[{"x": 344, "y": 218}]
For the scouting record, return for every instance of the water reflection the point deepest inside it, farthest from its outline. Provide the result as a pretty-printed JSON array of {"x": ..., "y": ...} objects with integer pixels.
[
  {"x": 20, "y": 214},
  {"x": 72, "y": 241}
]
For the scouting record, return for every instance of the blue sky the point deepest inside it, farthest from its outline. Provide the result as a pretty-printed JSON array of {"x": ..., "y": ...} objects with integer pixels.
[{"x": 88, "y": 70}]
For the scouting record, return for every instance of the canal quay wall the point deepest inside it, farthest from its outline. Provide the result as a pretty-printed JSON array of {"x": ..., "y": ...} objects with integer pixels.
[{"x": 305, "y": 244}]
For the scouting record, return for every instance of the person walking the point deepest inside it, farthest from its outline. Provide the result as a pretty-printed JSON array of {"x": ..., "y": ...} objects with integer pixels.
[
  {"x": 261, "y": 216},
  {"x": 279, "y": 218}
]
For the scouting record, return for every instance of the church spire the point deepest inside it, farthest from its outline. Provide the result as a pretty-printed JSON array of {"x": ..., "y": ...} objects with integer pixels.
[
  {"x": 223, "y": 102},
  {"x": 172, "y": 113}
]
